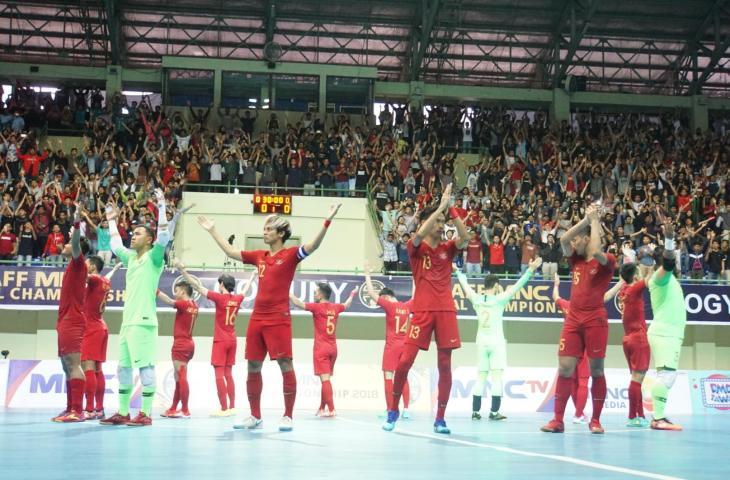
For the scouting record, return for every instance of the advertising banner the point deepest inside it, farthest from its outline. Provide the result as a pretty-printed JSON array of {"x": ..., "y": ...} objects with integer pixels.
[{"x": 710, "y": 391}]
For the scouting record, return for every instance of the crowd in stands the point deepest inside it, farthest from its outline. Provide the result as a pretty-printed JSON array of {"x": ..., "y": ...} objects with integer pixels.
[{"x": 529, "y": 182}]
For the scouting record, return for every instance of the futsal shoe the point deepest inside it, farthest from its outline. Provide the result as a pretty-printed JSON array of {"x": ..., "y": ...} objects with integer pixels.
[
  {"x": 329, "y": 414},
  {"x": 99, "y": 414},
  {"x": 219, "y": 414},
  {"x": 89, "y": 415},
  {"x": 405, "y": 415},
  {"x": 286, "y": 424},
  {"x": 496, "y": 416},
  {"x": 595, "y": 427},
  {"x": 250, "y": 423},
  {"x": 389, "y": 423},
  {"x": 476, "y": 416},
  {"x": 115, "y": 419},
  {"x": 185, "y": 414},
  {"x": 170, "y": 413},
  {"x": 582, "y": 420},
  {"x": 553, "y": 426},
  {"x": 231, "y": 412},
  {"x": 665, "y": 424},
  {"x": 141, "y": 420},
  {"x": 72, "y": 417},
  {"x": 59, "y": 416},
  {"x": 439, "y": 426},
  {"x": 637, "y": 422},
  {"x": 320, "y": 413}
]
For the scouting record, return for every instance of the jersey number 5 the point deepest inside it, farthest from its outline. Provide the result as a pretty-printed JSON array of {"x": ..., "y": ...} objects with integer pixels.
[
  {"x": 576, "y": 277},
  {"x": 330, "y": 324}
]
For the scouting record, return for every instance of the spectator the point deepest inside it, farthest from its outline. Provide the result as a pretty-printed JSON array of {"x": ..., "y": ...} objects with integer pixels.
[
  {"x": 473, "y": 255},
  {"x": 390, "y": 252},
  {"x": 8, "y": 243}
]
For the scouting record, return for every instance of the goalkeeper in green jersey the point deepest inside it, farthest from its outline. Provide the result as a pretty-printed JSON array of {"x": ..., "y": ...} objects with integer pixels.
[
  {"x": 666, "y": 331},
  {"x": 145, "y": 261},
  {"x": 491, "y": 344}
]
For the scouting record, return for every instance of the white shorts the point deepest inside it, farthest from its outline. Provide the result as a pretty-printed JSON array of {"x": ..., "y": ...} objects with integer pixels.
[{"x": 492, "y": 356}]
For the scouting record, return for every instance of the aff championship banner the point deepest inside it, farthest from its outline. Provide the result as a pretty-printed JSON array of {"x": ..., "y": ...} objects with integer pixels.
[{"x": 39, "y": 288}]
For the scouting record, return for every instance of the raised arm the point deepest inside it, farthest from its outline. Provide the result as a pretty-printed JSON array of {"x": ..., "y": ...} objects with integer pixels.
[
  {"x": 115, "y": 240},
  {"x": 594, "y": 244},
  {"x": 76, "y": 235},
  {"x": 556, "y": 287},
  {"x": 517, "y": 286},
  {"x": 194, "y": 282},
  {"x": 470, "y": 293},
  {"x": 428, "y": 224},
  {"x": 571, "y": 234},
  {"x": 348, "y": 302},
  {"x": 229, "y": 250},
  {"x": 296, "y": 302},
  {"x": 310, "y": 247},
  {"x": 249, "y": 282},
  {"x": 369, "y": 284},
  {"x": 111, "y": 272},
  {"x": 163, "y": 233},
  {"x": 164, "y": 298},
  {"x": 613, "y": 291},
  {"x": 669, "y": 257}
]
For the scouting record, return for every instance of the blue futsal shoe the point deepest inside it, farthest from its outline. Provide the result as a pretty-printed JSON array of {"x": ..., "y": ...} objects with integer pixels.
[
  {"x": 439, "y": 426},
  {"x": 389, "y": 424}
]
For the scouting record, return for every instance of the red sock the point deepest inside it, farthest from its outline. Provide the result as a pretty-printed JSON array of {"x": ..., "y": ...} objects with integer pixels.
[
  {"x": 184, "y": 387},
  {"x": 635, "y": 399},
  {"x": 581, "y": 397},
  {"x": 175, "y": 396},
  {"x": 388, "y": 391},
  {"x": 598, "y": 394},
  {"x": 90, "y": 388},
  {"x": 406, "y": 394},
  {"x": 68, "y": 395},
  {"x": 100, "y": 389},
  {"x": 563, "y": 387},
  {"x": 401, "y": 373},
  {"x": 254, "y": 386},
  {"x": 327, "y": 394},
  {"x": 290, "y": 392},
  {"x": 230, "y": 386},
  {"x": 444, "y": 389},
  {"x": 220, "y": 385},
  {"x": 640, "y": 402},
  {"x": 77, "y": 394}
]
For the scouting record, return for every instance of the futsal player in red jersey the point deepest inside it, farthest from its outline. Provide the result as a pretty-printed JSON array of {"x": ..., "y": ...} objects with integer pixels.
[
  {"x": 397, "y": 315},
  {"x": 269, "y": 329},
  {"x": 325, "y": 315},
  {"x": 434, "y": 311},
  {"x": 635, "y": 341},
  {"x": 96, "y": 336},
  {"x": 223, "y": 355},
  {"x": 586, "y": 326},
  {"x": 183, "y": 346},
  {"x": 72, "y": 322}
]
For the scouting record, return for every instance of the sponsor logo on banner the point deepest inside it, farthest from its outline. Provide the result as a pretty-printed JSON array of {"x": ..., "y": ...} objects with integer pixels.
[{"x": 711, "y": 391}]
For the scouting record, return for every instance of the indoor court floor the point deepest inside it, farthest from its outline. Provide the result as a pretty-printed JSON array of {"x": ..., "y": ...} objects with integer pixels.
[{"x": 31, "y": 447}]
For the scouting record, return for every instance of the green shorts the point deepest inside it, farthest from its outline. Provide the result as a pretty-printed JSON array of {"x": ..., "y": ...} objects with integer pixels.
[
  {"x": 665, "y": 350},
  {"x": 137, "y": 346},
  {"x": 492, "y": 356}
]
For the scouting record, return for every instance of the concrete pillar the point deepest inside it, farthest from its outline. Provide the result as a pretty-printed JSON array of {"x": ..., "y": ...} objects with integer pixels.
[
  {"x": 415, "y": 94},
  {"x": 322, "y": 95},
  {"x": 113, "y": 80},
  {"x": 560, "y": 106},
  {"x": 699, "y": 115},
  {"x": 217, "y": 87}
]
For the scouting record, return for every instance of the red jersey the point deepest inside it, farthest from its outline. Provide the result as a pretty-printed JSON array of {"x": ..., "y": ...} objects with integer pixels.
[
  {"x": 7, "y": 243},
  {"x": 590, "y": 282},
  {"x": 226, "y": 309},
  {"x": 432, "y": 276},
  {"x": 71, "y": 305},
  {"x": 563, "y": 305},
  {"x": 97, "y": 289},
  {"x": 496, "y": 253},
  {"x": 474, "y": 251},
  {"x": 276, "y": 272},
  {"x": 186, "y": 312},
  {"x": 325, "y": 315},
  {"x": 632, "y": 297},
  {"x": 396, "y": 319},
  {"x": 54, "y": 244}
]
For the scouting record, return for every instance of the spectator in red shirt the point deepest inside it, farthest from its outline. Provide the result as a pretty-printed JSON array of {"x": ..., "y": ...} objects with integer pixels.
[
  {"x": 32, "y": 162},
  {"x": 496, "y": 253},
  {"x": 8, "y": 243},
  {"x": 473, "y": 256},
  {"x": 54, "y": 245}
]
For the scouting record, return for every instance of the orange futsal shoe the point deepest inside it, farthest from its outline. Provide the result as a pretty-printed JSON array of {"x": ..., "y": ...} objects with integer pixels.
[
  {"x": 59, "y": 416},
  {"x": 595, "y": 427},
  {"x": 72, "y": 417},
  {"x": 665, "y": 424},
  {"x": 115, "y": 419},
  {"x": 141, "y": 420},
  {"x": 170, "y": 413},
  {"x": 553, "y": 426},
  {"x": 184, "y": 414}
]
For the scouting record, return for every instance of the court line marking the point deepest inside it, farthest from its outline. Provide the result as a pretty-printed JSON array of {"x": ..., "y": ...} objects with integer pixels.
[{"x": 527, "y": 453}]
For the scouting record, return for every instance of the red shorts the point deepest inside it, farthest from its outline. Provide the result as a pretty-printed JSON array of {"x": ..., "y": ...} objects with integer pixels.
[
  {"x": 444, "y": 324},
  {"x": 70, "y": 335},
  {"x": 93, "y": 345},
  {"x": 637, "y": 351},
  {"x": 324, "y": 360},
  {"x": 223, "y": 354},
  {"x": 183, "y": 350},
  {"x": 577, "y": 340},
  {"x": 391, "y": 355},
  {"x": 272, "y": 339}
]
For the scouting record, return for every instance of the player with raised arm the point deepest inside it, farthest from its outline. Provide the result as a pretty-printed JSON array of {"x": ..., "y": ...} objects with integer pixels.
[
  {"x": 636, "y": 345},
  {"x": 269, "y": 329},
  {"x": 72, "y": 322},
  {"x": 183, "y": 346},
  {"x": 666, "y": 332},
  {"x": 325, "y": 315},
  {"x": 434, "y": 311},
  {"x": 397, "y": 315},
  {"x": 223, "y": 355},
  {"x": 586, "y": 326},
  {"x": 145, "y": 261},
  {"x": 491, "y": 344},
  {"x": 96, "y": 335}
]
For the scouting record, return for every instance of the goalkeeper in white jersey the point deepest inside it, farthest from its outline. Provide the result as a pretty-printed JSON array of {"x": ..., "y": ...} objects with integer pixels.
[{"x": 491, "y": 344}]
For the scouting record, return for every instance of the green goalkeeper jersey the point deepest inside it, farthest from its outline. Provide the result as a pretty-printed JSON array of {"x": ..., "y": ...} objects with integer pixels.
[
  {"x": 490, "y": 309},
  {"x": 143, "y": 276},
  {"x": 667, "y": 303}
]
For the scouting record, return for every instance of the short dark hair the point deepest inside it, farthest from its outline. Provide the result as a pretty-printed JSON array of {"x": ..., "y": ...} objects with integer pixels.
[
  {"x": 186, "y": 286},
  {"x": 96, "y": 261},
  {"x": 325, "y": 289},
  {"x": 228, "y": 282},
  {"x": 147, "y": 229},
  {"x": 85, "y": 246},
  {"x": 628, "y": 271},
  {"x": 490, "y": 281},
  {"x": 387, "y": 291}
]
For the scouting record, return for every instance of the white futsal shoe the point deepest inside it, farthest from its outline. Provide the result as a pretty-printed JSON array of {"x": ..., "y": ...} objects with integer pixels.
[
  {"x": 286, "y": 424},
  {"x": 250, "y": 423}
]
